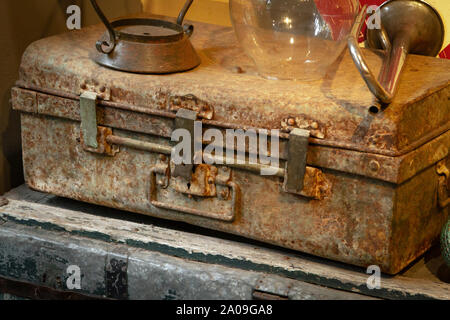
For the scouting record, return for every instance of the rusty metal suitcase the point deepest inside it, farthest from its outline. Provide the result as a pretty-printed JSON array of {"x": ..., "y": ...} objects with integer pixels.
[{"x": 364, "y": 188}]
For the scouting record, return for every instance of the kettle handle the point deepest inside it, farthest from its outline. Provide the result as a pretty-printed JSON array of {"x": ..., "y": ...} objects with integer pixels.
[{"x": 107, "y": 46}]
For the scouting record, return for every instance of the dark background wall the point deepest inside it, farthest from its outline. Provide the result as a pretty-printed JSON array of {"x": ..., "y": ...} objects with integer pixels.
[{"x": 21, "y": 23}]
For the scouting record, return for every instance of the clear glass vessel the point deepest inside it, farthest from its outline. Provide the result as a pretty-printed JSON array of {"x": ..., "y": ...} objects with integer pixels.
[{"x": 293, "y": 39}]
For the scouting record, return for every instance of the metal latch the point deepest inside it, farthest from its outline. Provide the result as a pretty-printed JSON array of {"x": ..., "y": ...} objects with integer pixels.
[
  {"x": 265, "y": 296},
  {"x": 268, "y": 288},
  {"x": 204, "y": 109},
  {"x": 202, "y": 181}
]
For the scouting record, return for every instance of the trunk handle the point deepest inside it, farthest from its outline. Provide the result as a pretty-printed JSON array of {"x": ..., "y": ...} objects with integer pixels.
[{"x": 107, "y": 46}]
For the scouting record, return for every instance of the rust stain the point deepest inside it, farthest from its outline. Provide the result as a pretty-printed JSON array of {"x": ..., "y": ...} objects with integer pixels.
[{"x": 339, "y": 102}]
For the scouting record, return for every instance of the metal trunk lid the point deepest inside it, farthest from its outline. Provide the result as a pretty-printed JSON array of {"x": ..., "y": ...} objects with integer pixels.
[{"x": 227, "y": 90}]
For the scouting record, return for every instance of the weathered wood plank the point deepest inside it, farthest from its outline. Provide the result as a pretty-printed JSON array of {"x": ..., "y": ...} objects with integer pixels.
[{"x": 30, "y": 208}]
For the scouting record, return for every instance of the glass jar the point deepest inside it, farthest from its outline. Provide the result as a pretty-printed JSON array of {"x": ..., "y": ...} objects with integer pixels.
[{"x": 293, "y": 39}]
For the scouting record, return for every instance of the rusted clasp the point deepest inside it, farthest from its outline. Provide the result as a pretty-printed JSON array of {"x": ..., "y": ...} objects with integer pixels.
[
  {"x": 443, "y": 188},
  {"x": 424, "y": 38},
  {"x": 207, "y": 181},
  {"x": 3, "y": 201}
]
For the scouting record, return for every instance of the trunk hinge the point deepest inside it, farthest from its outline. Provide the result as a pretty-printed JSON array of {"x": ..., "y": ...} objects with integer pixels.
[
  {"x": 88, "y": 114},
  {"x": 92, "y": 136}
]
